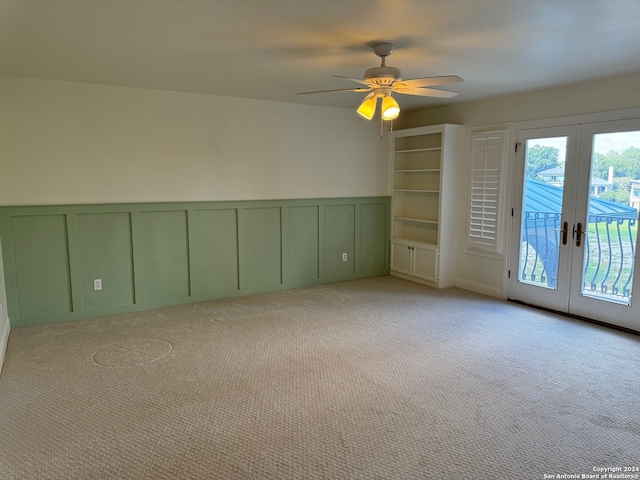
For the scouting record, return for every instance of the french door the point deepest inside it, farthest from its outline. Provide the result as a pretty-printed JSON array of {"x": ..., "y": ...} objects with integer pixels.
[{"x": 575, "y": 220}]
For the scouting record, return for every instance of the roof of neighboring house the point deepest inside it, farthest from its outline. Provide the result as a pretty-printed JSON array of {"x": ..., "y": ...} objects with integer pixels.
[
  {"x": 543, "y": 197},
  {"x": 599, "y": 181},
  {"x": 552, "y": 172},
  {"x": 559, "y": 172}
]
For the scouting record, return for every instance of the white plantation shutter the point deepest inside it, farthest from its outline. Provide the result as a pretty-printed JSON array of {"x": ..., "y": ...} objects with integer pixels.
[{"x": 487, "y": 154}]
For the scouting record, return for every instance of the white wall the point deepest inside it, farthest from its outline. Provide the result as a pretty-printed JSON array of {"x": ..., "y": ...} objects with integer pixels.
[
  {"x": 488, "y": 275},
  {"x": 615, "y": 93},
  {"x": 66, "y": 142}
]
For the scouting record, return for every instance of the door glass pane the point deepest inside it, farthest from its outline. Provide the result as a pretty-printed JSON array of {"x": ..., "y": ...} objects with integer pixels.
[
  {"x": 541, "y": 211},
  {"x": 614, "y": 198}
]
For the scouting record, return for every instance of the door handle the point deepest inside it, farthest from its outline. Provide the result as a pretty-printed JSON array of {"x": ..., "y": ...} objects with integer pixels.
[
  {"x": 565, "y": 232},
  {"x": 577, "y": 232}
]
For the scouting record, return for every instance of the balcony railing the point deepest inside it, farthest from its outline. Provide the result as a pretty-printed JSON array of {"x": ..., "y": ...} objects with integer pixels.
[{"x": 609, "y": 253}]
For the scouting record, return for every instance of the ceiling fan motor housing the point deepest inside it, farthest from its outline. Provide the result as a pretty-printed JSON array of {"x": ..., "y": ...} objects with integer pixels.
[{"x": 381, "y": 75}]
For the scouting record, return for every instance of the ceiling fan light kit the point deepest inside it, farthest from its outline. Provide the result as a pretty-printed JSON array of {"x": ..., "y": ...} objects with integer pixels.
[
  {"x": 367, "y": 108},
  {"x": 390, "y": 108},
  {"x": 382, "y": 81}
]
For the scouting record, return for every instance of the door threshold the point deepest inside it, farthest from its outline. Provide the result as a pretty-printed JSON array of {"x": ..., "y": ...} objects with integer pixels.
[{"x": 578, "y": 317}]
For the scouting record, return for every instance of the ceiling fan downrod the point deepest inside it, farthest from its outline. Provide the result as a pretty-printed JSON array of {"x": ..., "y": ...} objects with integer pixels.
[{"x": 382, "y": 75}]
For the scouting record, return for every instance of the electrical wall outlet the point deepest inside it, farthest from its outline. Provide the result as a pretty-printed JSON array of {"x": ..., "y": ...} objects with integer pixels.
[
  {"x": 344, "y": 257},
  {"x": 97, "y": 284}
]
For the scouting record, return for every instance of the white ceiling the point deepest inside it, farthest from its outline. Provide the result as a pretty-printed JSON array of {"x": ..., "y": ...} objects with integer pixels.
[{"x": 271, "y": 49}]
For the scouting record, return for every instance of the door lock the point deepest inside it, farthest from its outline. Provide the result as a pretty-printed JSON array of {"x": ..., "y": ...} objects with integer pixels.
[
  {"x": 577, "y": 233},
  {"x": 565, "y": 232}
]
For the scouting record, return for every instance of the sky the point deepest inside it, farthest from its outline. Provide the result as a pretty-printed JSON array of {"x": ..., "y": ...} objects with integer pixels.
[
  {"x": 619, "y": 141},
  {"x": 603, "y": 142}
]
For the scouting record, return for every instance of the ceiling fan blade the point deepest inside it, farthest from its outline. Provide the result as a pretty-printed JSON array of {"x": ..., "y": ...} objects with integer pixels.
[
  {"x": 352, "y": 79},
  {"x": 425, "y": 92},
  {"x": 337, "y": 90},
  {"x": 428, "y": 81}
]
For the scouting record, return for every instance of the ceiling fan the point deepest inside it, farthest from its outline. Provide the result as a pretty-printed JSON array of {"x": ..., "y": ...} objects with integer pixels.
[{"x": 382, "y": 81}]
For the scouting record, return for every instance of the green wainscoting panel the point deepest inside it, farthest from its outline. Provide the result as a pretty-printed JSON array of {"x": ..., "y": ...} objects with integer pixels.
[
  {"x": 215, "y": 236},
  {"x": 374, "y": 243},
  {"x": 262, "y": 231},
  {"x": 151, "y": 255},
  {"x": 41, "y": 256},
  {"x": 165, "y": 255},
  {"x": 106, "y": 253},
  {"x": 302, "y": 244},
  {"x": 339, "y": 238}
]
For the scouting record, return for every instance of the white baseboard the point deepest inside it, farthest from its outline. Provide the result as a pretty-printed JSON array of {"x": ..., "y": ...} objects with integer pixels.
[
  {"x": 480, "y": 288},
  {"x": 413, "y": 279},
  {"x": 4, "y": 339}
]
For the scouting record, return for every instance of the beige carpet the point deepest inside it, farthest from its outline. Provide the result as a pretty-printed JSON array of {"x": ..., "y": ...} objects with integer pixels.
[{"x": 370, "y": 379}]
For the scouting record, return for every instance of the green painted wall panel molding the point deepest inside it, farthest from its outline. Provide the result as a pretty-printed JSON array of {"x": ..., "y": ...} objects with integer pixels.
[
  {"x": 41, "y": 259},
  {"x": 373, "y": 239},
  {"x": 261, "y": 248},
  {"x": 302, "y": 247},
  {"x": 106, "y": 255},
  {"x": 67, "y": 262},
  {"x": 165, "y": 255},
  {"x": 339, "y": 238},
  {"x": 214, "y": 237}
]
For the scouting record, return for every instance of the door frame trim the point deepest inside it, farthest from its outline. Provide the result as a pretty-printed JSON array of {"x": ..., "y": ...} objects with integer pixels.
[
  {"x": 512, "y": 135},
  {"x": 626, "y": 320}
]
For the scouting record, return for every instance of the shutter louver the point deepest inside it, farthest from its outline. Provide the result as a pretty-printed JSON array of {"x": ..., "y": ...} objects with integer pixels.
[{"x": 487, "y": 152}]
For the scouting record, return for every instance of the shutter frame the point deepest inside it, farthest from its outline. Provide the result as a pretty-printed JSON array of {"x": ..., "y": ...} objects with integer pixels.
[{"x": 486, "y": 185}]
